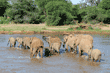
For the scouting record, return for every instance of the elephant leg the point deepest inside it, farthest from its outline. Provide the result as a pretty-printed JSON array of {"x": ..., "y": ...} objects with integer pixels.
[
  {"x": 79, "y": 52},
  {"x": 10, "y": 44},
  {"x": 75, "y": 51},
  {"x": 58, "y": 51},
  {"x": 99, "y": 60},
  {"x": 66, "y": 49},
  {"x": 18, "y": 44},
  {"x": 34, "y": 51},
  {"x": 28, "y": 47},
  {"x": 93, "y": 60},
  {"x": 37, "y": 54},
  {"x": 52, "y": 50},
  {"x": 24, "y": 46},
  {"x": 31, "y": 50},
  {"x": 13, "y": 44},
  {"x": 71, "y": 49},
  {"x": 41, "y": 52}
]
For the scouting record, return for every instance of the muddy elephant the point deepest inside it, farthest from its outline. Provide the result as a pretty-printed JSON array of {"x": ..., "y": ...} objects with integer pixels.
[
  {"x": 81, "y": 36},
  {"x": 95, "y": 54},
  {"x": 85, "y": 45},
  {"x": 66, "y": 38},
  {"x": 56, "y": 46},
  {"x": 50, "y": 40},
  {"x": 70, "y": 41},
  {"x": 20, "y": 41},
  {"x": 12, "y": 41},
  {"x": 26, "y": 42},
  {"x": 37, "y": 46}
]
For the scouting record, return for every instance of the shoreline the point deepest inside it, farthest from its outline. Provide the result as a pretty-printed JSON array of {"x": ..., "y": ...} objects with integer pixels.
[{"x": 55, "y": 32}]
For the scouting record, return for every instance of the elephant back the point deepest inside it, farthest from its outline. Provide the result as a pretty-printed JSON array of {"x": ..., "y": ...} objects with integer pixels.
[{"x": 37, "y": 42}]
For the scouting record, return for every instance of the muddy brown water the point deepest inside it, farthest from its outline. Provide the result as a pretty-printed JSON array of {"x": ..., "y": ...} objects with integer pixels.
[{"x": 14, "y": 60}]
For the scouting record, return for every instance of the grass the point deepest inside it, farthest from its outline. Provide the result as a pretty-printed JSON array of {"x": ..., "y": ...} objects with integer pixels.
[
  {"x": 10, "y": 33},
  {"x": 40, "y": 28}
]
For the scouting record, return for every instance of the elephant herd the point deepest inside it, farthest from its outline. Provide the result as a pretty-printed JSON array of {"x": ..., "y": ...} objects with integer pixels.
[{"x": 36, "y": 45}]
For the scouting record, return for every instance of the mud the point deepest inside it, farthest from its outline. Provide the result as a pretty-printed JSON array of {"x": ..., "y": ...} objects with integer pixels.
[{"x": 16, "y": 60}]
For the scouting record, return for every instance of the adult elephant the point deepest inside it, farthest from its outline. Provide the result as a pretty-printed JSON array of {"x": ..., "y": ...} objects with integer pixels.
[
  {"x": 52, "y": 41},
  {"x": 37, "y": 46},
  {"x": 12, "y": 41},
  {"x": 20, "y": 41},
  {"x": 85, "y": 45},
  {"x": 26, "y": 42},
  {"x": 56, "y": 47},
  {"x": 81, "y": 36},
  {"x": 70, "y": 41}
]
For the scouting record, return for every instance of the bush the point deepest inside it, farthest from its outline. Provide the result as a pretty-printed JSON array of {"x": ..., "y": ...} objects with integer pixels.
[
  {"x": 79, "y": 28},
  {"x": 90, "y": 28},
  {"x": 4, "y": 20},
  {"x": 93, "y": 22},
  {"x": 70, "y": 28}
]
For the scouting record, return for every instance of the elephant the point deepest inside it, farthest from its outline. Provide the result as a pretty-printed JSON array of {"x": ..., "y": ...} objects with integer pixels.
[
  {"x": 20, "y": 41},
  {"x": 70, "y": 41},
  {"x": 66, "y": 38},
  {"x": 26, "y": 42},
  {"x": 85, "y": 45},
  {"x": 55, "y": 46},
  {"x": 80, "y": 36},
  {"x": 37, "y": 46},
  {"x": 95, "y": 54},
  {"x": 12, "y": 41},
  {"x": 52, "y": 40}
]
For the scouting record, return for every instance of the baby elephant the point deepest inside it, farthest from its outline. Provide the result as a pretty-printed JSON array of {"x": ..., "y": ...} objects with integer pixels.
[
  {"x": 95, "y": 54},
  {"x": 56, "y": 46},
  {"x": 12, "y": 41}
]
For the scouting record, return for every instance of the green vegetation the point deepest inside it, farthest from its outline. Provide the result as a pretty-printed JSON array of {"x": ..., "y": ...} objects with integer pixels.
[{"x": 10, "y": 33}]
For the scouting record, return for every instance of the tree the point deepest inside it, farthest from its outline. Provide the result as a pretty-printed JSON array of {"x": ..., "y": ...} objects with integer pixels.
[
  {"x": 3, "y": 6},
  {"x": 25, "y": 11},
  {"x": 58, "y": 13},
  {"x": 104, "y": 11},
  {"x": 42, "y": 3}
]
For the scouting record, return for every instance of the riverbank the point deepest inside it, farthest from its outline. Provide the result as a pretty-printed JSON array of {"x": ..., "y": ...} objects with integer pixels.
[{"x": 43, "y": 29}]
